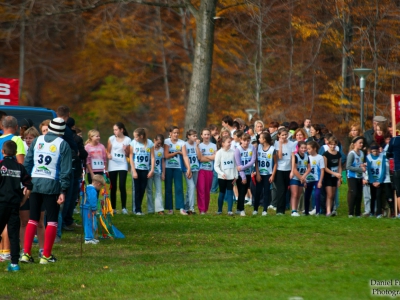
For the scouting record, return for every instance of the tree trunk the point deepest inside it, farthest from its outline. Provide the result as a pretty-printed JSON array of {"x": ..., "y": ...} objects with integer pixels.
[
  {"x": 196, "y": 111},
  {"x": 21, "y": 52}
]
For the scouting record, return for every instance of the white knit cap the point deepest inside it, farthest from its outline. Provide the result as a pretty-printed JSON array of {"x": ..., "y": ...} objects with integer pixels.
[{"x": 57, "y": 126}]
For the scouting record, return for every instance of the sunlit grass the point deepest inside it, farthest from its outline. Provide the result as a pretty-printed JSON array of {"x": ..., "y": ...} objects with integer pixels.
[{"x": 218, "y": 257}]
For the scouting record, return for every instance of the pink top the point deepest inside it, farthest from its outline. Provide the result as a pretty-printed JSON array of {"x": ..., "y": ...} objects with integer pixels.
[{"x": 97, "y": 157}]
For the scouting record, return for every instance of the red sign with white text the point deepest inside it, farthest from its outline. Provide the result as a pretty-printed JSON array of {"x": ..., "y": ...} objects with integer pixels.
[{"x": 9, "y": 91}]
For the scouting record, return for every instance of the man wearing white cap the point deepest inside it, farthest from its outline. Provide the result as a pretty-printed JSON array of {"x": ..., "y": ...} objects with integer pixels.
[
  {"x": 49, "y": 163},
  {"x": 369, "y": 134}
]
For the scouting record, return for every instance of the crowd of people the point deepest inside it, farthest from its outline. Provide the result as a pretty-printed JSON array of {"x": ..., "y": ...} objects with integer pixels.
[{"x": 279, "y": 167}]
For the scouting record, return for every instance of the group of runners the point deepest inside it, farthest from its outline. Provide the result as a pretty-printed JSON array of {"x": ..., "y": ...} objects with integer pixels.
[{"x": 278, "y": 167}]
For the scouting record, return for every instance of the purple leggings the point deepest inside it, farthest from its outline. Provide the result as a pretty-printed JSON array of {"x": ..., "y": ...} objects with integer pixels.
[{"x": 317, "y": 196}]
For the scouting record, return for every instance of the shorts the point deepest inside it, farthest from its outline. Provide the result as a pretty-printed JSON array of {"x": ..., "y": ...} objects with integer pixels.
[
  {"x": 296, "y": 182},
  {"x": 26, "y": 206},
  {"x": 330, "y": 181}
]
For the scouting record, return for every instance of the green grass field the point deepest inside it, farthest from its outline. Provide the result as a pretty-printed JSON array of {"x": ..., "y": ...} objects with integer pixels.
[{"x": 218, "y": 257}]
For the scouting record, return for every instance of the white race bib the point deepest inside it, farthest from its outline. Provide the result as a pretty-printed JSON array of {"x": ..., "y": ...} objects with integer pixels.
[
  {"x": 227, "y": 164},
  {"x": 97, "y": 163}
]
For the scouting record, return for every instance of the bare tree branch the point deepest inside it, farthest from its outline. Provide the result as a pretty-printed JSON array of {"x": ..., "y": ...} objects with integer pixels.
[{"x": 192, "y": 9}]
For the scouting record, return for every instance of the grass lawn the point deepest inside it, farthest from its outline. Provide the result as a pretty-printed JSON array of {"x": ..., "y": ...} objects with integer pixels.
[{"x": 218, "y": 257}]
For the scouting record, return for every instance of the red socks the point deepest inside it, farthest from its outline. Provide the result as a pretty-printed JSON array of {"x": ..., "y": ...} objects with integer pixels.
[
  {"x": 29, "y": 235},
  {"x": 49, "y": 237}
]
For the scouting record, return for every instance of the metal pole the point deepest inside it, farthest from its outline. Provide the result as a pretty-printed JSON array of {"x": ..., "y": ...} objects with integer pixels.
[{"x": 362, "y": 111}]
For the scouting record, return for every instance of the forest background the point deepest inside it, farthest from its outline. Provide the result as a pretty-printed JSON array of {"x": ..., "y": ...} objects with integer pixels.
[{"x": 133, "y": 62}]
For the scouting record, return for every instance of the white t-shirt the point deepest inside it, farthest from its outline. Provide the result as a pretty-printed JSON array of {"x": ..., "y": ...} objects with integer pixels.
[
  {"x": 158, "y": 155},
  {"x": 316, "y": 163},
  {"x": 285, "y": 164},
  {"x": 142, "y": 154},
  {"x": 207, "y": 150},
  {"x": 192, "y": 157},
  {"x": 118, "y": 160},
  {"x": 174, "y": 162}
]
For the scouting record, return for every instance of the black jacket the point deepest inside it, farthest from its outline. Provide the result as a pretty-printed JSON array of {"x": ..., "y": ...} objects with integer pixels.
[{"x": 12, "y": 174}]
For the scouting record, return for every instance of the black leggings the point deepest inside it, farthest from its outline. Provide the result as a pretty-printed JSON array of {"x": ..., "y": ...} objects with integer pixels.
[
  {"x": 376, "y": 197},
  {"x": 122, "y": 187},
  {"x": 140, "y": 188},
  {"x": 242, "y": 190},
  {"x": 282, "y": 181},
  {"x": 263, "y": 188},
  {"x": 225, "y": 184},
  {"x": 354, "y": 196}
]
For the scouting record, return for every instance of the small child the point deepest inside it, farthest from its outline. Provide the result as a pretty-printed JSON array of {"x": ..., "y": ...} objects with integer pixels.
[
  {"x": 12, "y": 174},
  {"x": 89, "y": 208}
]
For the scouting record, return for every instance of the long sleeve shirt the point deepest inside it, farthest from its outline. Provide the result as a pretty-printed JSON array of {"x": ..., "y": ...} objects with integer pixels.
[
  {"x": 245, "y": 159},
  {"x": 45, "y": 185},
  {"x": 11, "y": 176},
  {"x": 225, "y": 164}
]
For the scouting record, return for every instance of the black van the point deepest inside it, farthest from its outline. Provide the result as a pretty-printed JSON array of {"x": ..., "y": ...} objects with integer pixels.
[{"x": 36, "y": 114}]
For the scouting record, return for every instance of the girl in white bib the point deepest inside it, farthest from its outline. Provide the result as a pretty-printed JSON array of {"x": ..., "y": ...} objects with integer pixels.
[
  {"x": 142, "y": 165},
  {"x": 96, "y": 162},
  {"x": 173, "y": 172},
  {"x": 118, "y": 151},
  {"x": 225, "y": 166},
  {"x": 206, "y": 157},
  {"x": 191, "y": 168}
]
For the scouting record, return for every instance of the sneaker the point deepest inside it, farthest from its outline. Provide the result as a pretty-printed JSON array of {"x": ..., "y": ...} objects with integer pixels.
[
  {"x": 329, "y": 215},
  {"x": 255, "y": 213},
  {"x": 242, "y": 213},
  {"x": 312, "y": 212},
  {"x": 75, "y": 225},
  {"x": 350, "y": 216},
  {"x": 183, "y": 212},
  {"x": 366, "y": 214},
  {"x": 13, "y": 268},
  {"x": 26, "y": 258},
  {"x": 279, "y": 214},
  {"x": 6, "y": 256},
  {"x": 248, "y": 203},
  {"x": 230, "y": 214},
  {"x": 264, "y": 213},
  {"x": 124, "y": 211},
  {"x": 93, "y": 242},
  {"x": 51, "y": 259},
  {"x": 237, "y": 212},
  {"x": 219, "y": 212},
  {"x": 295, "y": 214},
  {"x": 379, "y": 216},
  {"x": 334, "y": 213},
  {"x": 139, "y": 213},
  {"x": 202, "y": 213},
  {"x": 67, "y": 228},
  {"x": 161, "y": 213},
  {"x": 170, "y": 212},
  {"x": 40, "y": 253}
]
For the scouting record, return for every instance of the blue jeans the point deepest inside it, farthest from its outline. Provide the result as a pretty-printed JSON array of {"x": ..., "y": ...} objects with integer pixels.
[
  {"x": 173, "y": 176},
  {"x": 214, "y": 186},
  {"x": 191, "y": 189},
  {"x": 158, "y": 205}
]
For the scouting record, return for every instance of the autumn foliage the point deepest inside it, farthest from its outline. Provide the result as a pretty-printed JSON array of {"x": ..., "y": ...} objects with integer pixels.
[{"x": 132, "y": 62}]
